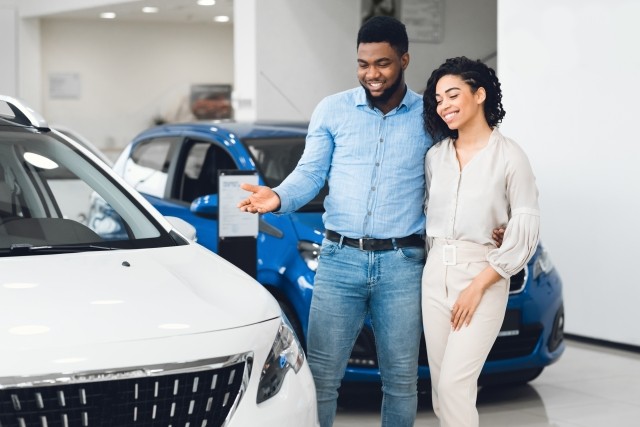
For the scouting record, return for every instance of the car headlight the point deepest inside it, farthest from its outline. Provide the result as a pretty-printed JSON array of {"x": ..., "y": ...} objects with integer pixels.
[
  {"x": 543, "y": 264},
  {"x": 286, "y": 354},
  {"x": 309, "y": 252}
]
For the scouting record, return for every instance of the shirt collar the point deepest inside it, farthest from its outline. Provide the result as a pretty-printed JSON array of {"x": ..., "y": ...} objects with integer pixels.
[{"x": 408, "y": 101}]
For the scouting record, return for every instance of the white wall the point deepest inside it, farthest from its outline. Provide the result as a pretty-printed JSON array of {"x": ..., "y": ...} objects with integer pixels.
[
  {"x": 8, "y": 50},
  {"x": 30, "y": 64},
  {"x": 307, "y": 49},
  {"x": 569, "y": 70},
  {"x": 129, "y": 72},
  {"x": 469, "y": 30}
]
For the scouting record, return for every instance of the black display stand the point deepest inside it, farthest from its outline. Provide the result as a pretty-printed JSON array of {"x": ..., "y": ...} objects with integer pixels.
[
  {"x": 237, "y": 231},
  {"x": 241, "y": 252}
]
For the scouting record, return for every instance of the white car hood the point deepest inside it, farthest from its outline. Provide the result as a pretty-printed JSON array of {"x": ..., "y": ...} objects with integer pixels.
[{"x": 49, "y": 301}]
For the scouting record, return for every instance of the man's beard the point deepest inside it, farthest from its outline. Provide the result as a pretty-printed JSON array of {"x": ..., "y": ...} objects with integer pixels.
[{"x": 387, "y": 93}]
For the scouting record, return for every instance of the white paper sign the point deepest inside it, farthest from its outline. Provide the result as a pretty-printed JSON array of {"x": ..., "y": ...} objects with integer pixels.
[{"x": 232, "y": 222}]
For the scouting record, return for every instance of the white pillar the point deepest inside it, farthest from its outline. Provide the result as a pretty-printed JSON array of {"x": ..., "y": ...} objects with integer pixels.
[
  {"x": 245, "y": 60},
  {"x": 289, "y": 54},
  {"x": 9, "y": 50}
]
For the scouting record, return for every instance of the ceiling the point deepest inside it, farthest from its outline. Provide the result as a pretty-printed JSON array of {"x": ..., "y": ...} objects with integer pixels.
[{"x": 177, "y": 11}]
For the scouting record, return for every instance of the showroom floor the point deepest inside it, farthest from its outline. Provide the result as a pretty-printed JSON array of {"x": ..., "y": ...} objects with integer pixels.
[{"x": 590, "y": 386}]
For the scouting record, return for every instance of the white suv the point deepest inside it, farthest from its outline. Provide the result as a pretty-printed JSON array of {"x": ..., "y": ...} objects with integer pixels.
[{"x": 149, "y": 329}]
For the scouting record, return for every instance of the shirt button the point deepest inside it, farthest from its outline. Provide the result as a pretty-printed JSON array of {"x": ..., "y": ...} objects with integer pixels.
[
  {"x": 384, "y": 118},
  {"x": 377, "y": 163},
  {"x": 381, "y": 140},
  {"x": 369, "y": 213},
  {"x": 373, "y": 188}
]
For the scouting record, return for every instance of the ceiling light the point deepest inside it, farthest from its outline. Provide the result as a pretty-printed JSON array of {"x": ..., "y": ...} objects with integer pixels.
[
  {"x": 70, "y": 360},
  {"x": 39, "y": 161},
  {"x": 29, "y": 330},
  {"x": 108, "y": 15},
  {"x": 106, "y": 302},
  {"x": 174, "y": 326},
  {"x": 150, "y": 9},
  {"x": 20, "y": 285},
  {"x": 221, "y": 18},
  {"x": 206, "y": 2}
]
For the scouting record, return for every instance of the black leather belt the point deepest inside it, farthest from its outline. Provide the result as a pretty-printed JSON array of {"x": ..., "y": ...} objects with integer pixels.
[{"x": 366, "y": 244}]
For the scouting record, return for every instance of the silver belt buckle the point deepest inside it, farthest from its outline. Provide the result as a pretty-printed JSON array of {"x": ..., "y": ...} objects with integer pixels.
[
  {"x": 449, "y": 255},
  {"x": 361, "y": 243}
]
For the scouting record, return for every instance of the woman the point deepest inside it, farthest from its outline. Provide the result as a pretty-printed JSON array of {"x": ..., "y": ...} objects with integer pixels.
[{"x": 477, "y": 180}]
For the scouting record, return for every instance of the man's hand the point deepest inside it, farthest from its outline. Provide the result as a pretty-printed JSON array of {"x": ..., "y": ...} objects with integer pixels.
[
  {"x": 262, "y": 200},
  {"x": 498, "y": 235}
]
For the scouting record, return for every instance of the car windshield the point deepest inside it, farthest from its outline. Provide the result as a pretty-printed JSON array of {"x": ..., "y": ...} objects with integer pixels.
[
  {"x": 42, "y": 213},
  {"x": 276, "y": 158}
]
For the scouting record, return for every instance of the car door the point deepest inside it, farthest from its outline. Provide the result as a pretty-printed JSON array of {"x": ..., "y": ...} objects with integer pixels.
[
  {"x": 196, "y": 175},
  {"x": 173, "y": 172}
]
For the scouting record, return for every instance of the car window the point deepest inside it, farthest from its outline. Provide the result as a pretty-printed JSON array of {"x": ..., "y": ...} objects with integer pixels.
[
  {"x": 154, "y": 153},
  {"x": 148, "y": 166},
  {"x": 276, "y": 158},
  {"x": 199, "y": 173},
  {"x": 37, "y": 209},
  {"x": 73, "y": 194}
]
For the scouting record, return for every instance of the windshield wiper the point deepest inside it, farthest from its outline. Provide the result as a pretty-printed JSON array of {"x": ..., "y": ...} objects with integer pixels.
[{"x": 29, "y": 249}]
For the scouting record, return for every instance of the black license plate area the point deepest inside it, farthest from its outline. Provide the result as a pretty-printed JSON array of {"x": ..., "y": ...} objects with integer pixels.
[{"x": 511, "y": 324}]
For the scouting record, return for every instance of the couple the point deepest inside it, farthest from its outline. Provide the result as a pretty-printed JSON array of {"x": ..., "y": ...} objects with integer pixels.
[{"x": 370, "y": 143}]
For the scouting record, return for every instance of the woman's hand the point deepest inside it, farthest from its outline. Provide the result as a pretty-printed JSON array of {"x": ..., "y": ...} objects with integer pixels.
[
  {"x": 466, "y": 305},
  {"x": 469, "y": 299}
]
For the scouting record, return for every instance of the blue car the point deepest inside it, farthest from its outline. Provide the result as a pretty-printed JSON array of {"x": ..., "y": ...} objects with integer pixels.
[{"x": 175, "y": 166}]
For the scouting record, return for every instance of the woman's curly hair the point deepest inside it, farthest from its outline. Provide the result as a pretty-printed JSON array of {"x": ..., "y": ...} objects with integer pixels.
[{"x": 476, "y": 74}]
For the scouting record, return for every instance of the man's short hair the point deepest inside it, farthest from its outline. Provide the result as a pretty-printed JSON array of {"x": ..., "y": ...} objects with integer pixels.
[{"x": 380, "y": 29}]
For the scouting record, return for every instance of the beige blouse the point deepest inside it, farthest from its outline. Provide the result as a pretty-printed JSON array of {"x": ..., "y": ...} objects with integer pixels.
[{"x": 496, "y": 188}]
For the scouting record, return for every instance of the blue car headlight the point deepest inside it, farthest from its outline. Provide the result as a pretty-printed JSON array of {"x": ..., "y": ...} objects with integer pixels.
[
  {"x": 309, "y": 252},
  {"x": 286, "y": 354},
  {"x": 542, "y": 264}
]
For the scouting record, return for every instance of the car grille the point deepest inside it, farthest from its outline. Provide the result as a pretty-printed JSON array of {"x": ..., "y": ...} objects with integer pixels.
[
  {"x": 523, "y": 344},
  {"x": 194, "y": 394}
]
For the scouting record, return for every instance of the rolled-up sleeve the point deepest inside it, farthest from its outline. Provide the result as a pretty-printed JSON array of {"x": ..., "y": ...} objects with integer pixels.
[{"x": 309, "y": 176}]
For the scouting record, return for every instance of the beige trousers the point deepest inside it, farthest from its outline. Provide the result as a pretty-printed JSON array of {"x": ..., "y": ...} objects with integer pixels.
[{"x": 456, "y": 357}]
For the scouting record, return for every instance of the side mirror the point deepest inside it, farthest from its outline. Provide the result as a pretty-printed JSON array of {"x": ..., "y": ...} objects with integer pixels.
[{"x": 206, "y": 206}]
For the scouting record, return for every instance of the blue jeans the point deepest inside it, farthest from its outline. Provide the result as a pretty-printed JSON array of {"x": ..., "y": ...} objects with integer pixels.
[{"x": 349, "y": 284}]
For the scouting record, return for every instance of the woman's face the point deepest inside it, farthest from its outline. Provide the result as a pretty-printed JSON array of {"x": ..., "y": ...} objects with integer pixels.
[{"x": 457, "y": 104}]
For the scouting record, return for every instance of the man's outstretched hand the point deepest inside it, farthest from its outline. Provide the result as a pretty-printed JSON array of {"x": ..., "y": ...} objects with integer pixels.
[{"x": 262, "y": 199}]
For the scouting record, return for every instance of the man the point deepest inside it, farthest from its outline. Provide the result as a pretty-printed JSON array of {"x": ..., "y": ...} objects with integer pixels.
[{"x": 370, "y": 143}]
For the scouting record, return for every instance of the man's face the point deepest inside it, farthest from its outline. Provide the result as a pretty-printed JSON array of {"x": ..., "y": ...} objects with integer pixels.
[{"x": 381, "y": 71}]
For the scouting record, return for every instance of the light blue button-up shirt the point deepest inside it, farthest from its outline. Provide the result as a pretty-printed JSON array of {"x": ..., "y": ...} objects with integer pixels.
[{"x": 374, "y": 164}]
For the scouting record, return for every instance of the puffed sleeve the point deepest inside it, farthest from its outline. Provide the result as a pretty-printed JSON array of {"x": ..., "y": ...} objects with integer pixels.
[{"x": 523, "y": 229}]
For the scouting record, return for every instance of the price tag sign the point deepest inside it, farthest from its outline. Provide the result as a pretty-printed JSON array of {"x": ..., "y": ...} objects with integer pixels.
[{"x": 232, "y": 221}]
